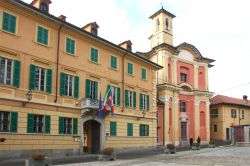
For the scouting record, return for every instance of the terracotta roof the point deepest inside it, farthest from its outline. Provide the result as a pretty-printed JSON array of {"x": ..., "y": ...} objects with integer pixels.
[{"x": 220, "y": 99}]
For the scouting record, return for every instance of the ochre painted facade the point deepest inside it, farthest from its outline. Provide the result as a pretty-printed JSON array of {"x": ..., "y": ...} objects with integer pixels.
[
  {"x": 182, "y": 85},
  {"x": 22, "y": 46}
]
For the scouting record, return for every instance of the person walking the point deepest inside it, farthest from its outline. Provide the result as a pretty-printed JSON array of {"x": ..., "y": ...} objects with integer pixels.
[
  {"x": 198, "y": 140},
  {"x": 191, "y": 142}
]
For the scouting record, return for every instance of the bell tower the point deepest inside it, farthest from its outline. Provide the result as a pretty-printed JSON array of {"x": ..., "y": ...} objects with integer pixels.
[{"x": 162, "y": 28}]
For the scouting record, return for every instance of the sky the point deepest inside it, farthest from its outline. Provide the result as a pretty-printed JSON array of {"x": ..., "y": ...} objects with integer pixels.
[{"x": 219, "y": 29}]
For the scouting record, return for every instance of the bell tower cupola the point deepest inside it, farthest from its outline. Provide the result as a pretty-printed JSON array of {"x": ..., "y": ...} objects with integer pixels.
[
  {"x": 162, "y": 28},
  {"x": 42, "y": 5}
]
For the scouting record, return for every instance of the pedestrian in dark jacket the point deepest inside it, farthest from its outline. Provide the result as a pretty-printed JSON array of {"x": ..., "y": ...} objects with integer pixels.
[
  {"x": 191, "y": 141},
  {"x": 198, "y": 140}
]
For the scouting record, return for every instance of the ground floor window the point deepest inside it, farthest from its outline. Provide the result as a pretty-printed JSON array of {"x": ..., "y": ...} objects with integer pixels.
[
  {"x": 8, "y": 121},
  {"x": 38, "y": 123},
  {"x": 144, "y": 130},
  {"x": 68, "y": 125}
]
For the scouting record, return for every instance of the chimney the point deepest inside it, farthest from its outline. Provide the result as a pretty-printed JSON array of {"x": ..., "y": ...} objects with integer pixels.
[
  {"x": 42, "y": 5},
  {"x": 92, "y": 28},
  {"x": 62, "y": 17},
  {"x": 126, "y": 45},
  {"x": 245, "y": 98}
]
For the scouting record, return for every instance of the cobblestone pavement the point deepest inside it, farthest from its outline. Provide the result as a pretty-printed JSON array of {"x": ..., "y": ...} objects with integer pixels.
[{"x": 220, "y": 156}]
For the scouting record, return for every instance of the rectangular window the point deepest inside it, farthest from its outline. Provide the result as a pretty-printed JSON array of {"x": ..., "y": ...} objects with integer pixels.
[
  {"x": 94, "y": 55},
  {"x": 130, "y": 69},
  {"x": 182, "y": 106},
  {"x": 242, "y": 114},
  {"x": 6, "y": 71},
  {"x": 144, "y": 102},
  {"x": 38, "y": 124},
  {"x": 130, "y": 98},
  {"x": 67, "y": 129},
  {"x": 4, "y": 121},
  {"x": 9, "y": 23},
  {"x": 113, "y": 62},
  {"x": 70, "y": 46},
  {"x": 129, "y": 129},
  {"x": 183, "y": 77},
  {"x": 40, "y": 79},
  {"x": 214, "y": 113},
  {"x": 144, "y": 130},
  {"x": 215, "y": 128},
  {"x": 112, "y": 128},
  {"x": 233, "y": 113},
  {"x": 91, "y": 89},
  {"x": 116, "y": 94},
  {"x": 42, "y": 35},
  {"x": 143, "y": 74}
]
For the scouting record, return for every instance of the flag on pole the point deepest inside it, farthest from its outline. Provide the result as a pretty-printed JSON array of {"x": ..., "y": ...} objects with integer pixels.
[
  {"x": 109, "y": 101},
  {"x": 100, "y": 113}
]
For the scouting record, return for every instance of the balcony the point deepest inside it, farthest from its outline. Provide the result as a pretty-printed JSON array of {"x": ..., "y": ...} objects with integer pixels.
[{"x": 91, "y": 106}]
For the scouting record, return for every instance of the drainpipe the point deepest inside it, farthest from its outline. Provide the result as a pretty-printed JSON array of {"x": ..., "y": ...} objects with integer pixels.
[
  {"x": 163, "y": 126},
  {"x": 123, "y": 81},
  {"x": 57, "y": 58}
]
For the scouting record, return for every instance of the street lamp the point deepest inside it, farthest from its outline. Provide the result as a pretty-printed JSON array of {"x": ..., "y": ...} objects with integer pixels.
[
  {"x": 28, "y": 97},
  {"x": 143, "y": 115}
]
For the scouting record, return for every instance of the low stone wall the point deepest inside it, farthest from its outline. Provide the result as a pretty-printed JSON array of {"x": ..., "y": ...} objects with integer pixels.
[{"x": 242, "y": 144}]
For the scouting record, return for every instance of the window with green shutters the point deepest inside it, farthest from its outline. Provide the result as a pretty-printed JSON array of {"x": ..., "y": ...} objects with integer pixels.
[
  {"x": 9, "y": 22},
  {"x": 130, "y": 99},
  {"x": 144, "y": 102},
  {"x": 69, "y": 85},
  {"x": 144, "y": 130},
  {"x": 113, "y": 62},
  {"x": 10, "y": 72},
  {"x": 8, "y": 121},
  {"x": 112, "y": 128},
  {"x": 70, "y": 46},
  {"x": 66, "y": 126},
  {"x": 91, "y": 89},
  {"x": 116, "y": 94},
  {"x": 130, "y": 69},
  {"x": 143, "y": 74},
  {"x": 42, "y": 35},
  {"x": 40, "y": 79},
  {"x": 94, "y": 55},
  {"x": 38, "y": 123},
  {"x": 129, "y": 129}
]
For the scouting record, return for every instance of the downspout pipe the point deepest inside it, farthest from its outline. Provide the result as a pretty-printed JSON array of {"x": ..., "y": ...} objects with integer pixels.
[{"x": 57, "y": 58}]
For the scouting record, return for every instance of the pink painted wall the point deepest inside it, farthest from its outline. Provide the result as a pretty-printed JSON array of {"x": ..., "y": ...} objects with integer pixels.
[
  {"x": 170, "y": 121},
  {"x": 169, "y": 71},
  {"x": 202, "y": 78},
  {"x": 186, "y": 68},
  {"x": 160, "y": 123},
  {"x": 203, "y": 120},
  {"x": 190, "y": 112}
]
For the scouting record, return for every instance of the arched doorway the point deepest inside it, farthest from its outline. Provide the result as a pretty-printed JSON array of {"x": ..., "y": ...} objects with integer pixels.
[{"x": 93, "y": 137}]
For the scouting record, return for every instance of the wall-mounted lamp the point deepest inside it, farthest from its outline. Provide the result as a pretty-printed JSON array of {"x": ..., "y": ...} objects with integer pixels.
[
  {"x": 143, "y": 115},
  {"x": 28, "y": 97}
]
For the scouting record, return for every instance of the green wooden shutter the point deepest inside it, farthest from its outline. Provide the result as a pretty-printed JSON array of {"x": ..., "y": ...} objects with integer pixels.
[
  {"x": 96, "y": 90},
  {"x": 12, "y": 24},
  {"x": 118, "y": 96},
  {"x": 141, "y": 130},
  {"x": 30, "y": 123},
  {"x": 13, "y": 121},
  {"x": 141, "y": 101},
  {"x": 92, "y": 55},
  {"x": 126, "y": 98},
  {"x": 5, "y": 23},
  {"x": 16, "y": 76},
  {"x": 61, "y": 125},
  {"x": 9, "y": 23},
  {"x": 32, "y": 76},
  {"x": 134, "y": 99},
  {"x": 62, "y": 84},
  {"x": 68, "y": 48},
  {"x": 112, "y": 128},
  {"x": 130, "y": 129},
  {"x": 76, "y": 87},
  {"x": 108, "y": 87},
  {"x": 75, "y": 126},
  {"x": 148, "y": 101},
  {"x": 48, "y": 80},
  {"x": 147, "y": 130},
  {"x": 96, "y": 55},
  {"x": 87, "y": 89},
  {"x": 47, "y": 124}
]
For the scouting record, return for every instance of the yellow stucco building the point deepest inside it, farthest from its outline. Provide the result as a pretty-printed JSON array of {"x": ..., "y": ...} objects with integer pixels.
[
  {"x": 227, "y": 112},
  {"x": 182, "y": 85},
  {"x": 51, "y": 76}
]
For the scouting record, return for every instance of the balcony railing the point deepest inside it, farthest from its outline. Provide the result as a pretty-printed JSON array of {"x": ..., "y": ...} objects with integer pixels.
[{"x": 92, "y": 104}]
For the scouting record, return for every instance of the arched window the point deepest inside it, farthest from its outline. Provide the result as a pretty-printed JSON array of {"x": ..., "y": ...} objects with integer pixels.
[
  {"x": 157, "y": 24},
  {"x": 167, "y": 24}
]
